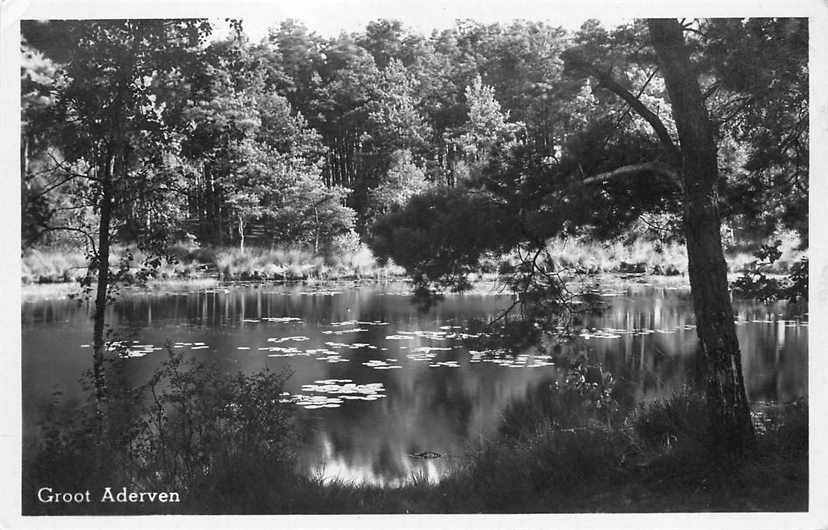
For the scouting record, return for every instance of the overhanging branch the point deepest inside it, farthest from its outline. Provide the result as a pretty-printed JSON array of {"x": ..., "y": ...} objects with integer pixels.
[
  {"x": 606, "y": 80},
  {"x": 633, "y": 169},
  {"x": 81, "y": 231}
]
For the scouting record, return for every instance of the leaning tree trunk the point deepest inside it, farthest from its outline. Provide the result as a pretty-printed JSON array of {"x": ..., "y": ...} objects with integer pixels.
[{"x": 729, "y": 411}]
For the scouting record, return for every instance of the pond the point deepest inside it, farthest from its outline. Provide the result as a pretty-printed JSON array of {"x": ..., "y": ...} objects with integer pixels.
[{"x": 379, "y": 384}]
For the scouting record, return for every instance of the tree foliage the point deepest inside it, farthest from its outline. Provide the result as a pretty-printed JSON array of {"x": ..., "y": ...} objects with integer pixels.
[
  {"x": 664, "y": 112},
  {"x": 351, "y": 102}
]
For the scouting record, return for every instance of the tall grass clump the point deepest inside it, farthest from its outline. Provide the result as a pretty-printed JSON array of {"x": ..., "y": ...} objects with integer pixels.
[
  {"x": 267, "y": 264},
  {"x": 742, "y": 257},
  {"x": 57, "y": 265},
  {"x": 581, "y": 254},
  {"x": 348, "y": 258},
  {"x": 545, "y": 469},
  {"x": 53, "y": 265},
  {"x": 653, "y": 256},
  {"x": 297, "y": 263},
  {"x": 680, "y": 420}
]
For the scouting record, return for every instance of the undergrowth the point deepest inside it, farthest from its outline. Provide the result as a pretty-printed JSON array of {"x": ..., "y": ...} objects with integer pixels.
[
  {"x": 188, "y": 262},
  {"x": 352, "y": 259}
]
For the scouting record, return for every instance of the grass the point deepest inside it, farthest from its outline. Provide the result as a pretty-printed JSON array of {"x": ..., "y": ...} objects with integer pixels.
[
  {"x": 352, "y": 259},
  {"x": 61, "y": 265},
  {"x": 53, "y": 265},
  {"x": 298, "y": 264},
  {"x": 653, "y": 257}
]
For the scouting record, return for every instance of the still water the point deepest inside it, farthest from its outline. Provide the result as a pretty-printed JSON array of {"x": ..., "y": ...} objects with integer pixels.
[{"x": 376, "y": 381}]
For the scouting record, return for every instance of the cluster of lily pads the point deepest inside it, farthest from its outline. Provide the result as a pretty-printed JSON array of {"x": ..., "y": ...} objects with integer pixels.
[
  {"x": 299, "y": 338},
  {"x": 319, "y": 293},
  {"x": 424, "y": 353},
  {"x": 444, "y": 333},
  {"x": 359, "y": 323},
  {"x": 134, "y": 349},
  {"x": 523, "y": 361},
  {"x": 377, "y": 364},
  {"x": 332, "y": 393},
  {"x": 273, "y": 320},
  {"x": 344, "y": 331},
  {"x": 617, "y": 333},
  {"x": 353, "y": 346},
  {"x": 447, "y": 364},
  {"x": 788, "y": 323},
  {"x": 321, "y": 354}
]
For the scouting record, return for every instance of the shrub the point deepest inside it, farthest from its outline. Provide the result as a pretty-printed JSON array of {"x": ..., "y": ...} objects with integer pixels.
[
  {"x": 680, "y": 419},
  {"x": 218, "y": 439}
]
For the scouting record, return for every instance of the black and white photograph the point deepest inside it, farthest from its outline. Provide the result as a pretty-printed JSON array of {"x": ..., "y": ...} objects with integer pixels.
[{"x": 348, "y": 258}]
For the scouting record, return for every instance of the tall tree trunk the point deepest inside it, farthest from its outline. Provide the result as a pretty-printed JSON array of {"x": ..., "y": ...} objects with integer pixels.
[
  {"x": 727, "y": 401},
  {"x": 102, "y": 289},
  {"x": 113, "y": 166}
]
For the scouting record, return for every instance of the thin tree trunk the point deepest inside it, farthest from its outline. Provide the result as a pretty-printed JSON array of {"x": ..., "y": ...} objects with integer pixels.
[
  {"x": 116, "y": 147},
  {"x": 102, "y": 289},
  {"x": 727, "y": 401},
  {"x": 316, "y": 231},
  {"x": 241, "y": 234},
  {"x": 24, "y": 156}
]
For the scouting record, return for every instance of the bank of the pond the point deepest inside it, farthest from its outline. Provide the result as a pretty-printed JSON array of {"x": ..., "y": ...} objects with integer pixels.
[
  {"x": 653, "y": 461},
  {"x": 51, "y": 291},
  {"x": 188, "y": 261},
  {"x": 656, "y": 460}
]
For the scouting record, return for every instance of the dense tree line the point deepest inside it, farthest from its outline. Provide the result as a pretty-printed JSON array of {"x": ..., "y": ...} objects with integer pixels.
[{"x": 379, "y": 115}]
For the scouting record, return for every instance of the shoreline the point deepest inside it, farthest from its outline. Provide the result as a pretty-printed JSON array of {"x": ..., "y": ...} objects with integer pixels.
[
  {"x": 31, "y": 292},
  {"x": 40, "y": 291}
]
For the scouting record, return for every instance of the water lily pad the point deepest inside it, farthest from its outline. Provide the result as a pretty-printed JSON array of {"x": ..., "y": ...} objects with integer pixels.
[
  {"x": 281, "y": 320},
  {"x": 299, "y": 338}
]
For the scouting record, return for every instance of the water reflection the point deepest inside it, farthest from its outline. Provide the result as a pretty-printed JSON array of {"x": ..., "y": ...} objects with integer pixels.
[{"x": 377, "y": 382}]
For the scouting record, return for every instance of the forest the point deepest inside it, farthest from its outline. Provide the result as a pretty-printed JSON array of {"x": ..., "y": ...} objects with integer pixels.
[
  {"x": 305, "y": 141},
  {"x": 520, "y": 152}
]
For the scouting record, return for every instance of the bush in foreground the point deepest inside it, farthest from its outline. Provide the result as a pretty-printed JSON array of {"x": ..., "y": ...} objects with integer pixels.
[{"x": 216, "y": 438}]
